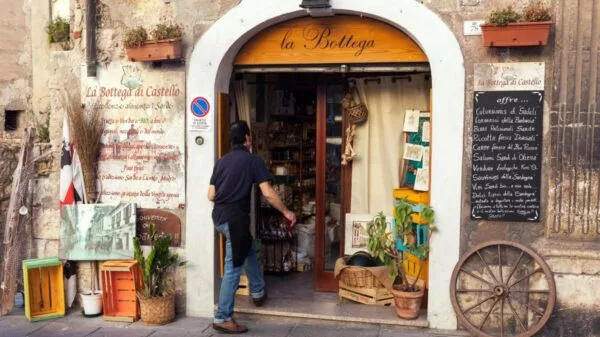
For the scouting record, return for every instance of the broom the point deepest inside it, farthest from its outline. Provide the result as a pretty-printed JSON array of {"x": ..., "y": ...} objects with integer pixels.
[{"x": 86, "y": 127}]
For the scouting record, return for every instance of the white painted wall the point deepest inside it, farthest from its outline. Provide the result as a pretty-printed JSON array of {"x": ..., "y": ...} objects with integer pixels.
[{"x": 210, "y": 69}]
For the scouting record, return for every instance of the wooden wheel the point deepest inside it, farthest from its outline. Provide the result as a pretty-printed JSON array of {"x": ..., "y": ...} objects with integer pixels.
[{"x": 502, "y": 288}]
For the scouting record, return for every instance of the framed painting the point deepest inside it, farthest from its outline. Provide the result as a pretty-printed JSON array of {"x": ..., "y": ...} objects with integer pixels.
[
  {"x": 356, "y": 232},
  {"x": 97, "y": 232}
]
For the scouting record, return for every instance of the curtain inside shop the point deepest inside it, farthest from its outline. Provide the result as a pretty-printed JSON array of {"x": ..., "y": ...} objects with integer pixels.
[
  {"x": 243, "y": 98},
  {"x": 379, "y": 142}
]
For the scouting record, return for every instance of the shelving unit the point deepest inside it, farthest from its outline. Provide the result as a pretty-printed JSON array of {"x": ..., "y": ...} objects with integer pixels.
[{"x": 292, "y": 160}]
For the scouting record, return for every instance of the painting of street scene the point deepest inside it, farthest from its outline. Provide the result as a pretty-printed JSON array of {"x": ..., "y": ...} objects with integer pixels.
[{"x": 97, "y": 232}]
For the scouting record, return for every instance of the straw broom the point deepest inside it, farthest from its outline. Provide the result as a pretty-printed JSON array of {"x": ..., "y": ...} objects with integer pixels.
[{"x": 86, "y": 127}]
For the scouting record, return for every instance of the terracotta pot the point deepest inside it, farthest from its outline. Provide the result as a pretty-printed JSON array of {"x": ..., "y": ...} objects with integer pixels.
[
  {"x": 408, "y": 304},
  {"x": 156, "y": 51},
  {"x": 519, "y": 34}
]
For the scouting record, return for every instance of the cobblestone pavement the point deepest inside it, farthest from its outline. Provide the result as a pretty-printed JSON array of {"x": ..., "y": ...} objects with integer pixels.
[{"x": 75, "y": 325}]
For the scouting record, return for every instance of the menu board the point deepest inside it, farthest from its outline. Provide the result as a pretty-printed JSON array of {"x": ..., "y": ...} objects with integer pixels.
[{"x": 507, "y": 155}]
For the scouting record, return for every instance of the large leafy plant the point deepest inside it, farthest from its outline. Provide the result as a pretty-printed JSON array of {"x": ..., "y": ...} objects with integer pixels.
[
  {"x": 382, "y": 244},
  {"x": 156, "y": 265}
]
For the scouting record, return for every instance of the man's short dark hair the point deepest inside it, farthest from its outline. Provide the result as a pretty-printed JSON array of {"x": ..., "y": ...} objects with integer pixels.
[{"x": 238, "y": 132}]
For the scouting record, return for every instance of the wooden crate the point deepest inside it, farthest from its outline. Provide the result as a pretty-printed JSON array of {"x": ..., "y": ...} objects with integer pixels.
[
  {"x": 411, "y": 266},
  {"x": 244, "y": 287},
  {"x": 121, "y": 281},
  {"x": 44, "y": 289},
  {"x": 372, "y": 296},
  {"x": 415, "y": 197}
]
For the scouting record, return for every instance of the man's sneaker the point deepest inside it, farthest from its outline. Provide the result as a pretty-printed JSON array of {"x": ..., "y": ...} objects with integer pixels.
[{"x": 258, "y": 302}]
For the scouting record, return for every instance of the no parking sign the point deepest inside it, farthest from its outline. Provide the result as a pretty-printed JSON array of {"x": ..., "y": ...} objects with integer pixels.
[{"x": 200, "y": 108}]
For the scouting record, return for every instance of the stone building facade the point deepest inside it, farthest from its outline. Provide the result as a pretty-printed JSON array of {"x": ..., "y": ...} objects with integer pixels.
[{"x": 39, "y": 74}]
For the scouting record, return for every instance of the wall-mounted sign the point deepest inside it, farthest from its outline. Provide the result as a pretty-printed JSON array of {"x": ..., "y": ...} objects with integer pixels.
[
  {"x": 200, "y": 107},
  {"x": 471, "y": 28},
  {"x": 201, "y": 120},
  {"x": 338, "y": 39},
  {"x": 507, "y": 141},
  {"x": 166, "y": 223},
  {"x": 143, "y": 146}
]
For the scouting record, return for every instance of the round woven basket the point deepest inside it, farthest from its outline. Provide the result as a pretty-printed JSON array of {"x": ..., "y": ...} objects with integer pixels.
[
  {"x": 157, "y": 310},
  {"x": 359, "y": 278},
  {"x": 357, "y": 114}
]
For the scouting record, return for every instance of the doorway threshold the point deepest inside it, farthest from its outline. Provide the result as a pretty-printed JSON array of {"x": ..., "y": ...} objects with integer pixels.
[{"x": 329, "y": 308}]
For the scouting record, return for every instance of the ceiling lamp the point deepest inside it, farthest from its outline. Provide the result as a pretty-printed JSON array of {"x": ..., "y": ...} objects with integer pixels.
[{"x": 317, "y": 7}]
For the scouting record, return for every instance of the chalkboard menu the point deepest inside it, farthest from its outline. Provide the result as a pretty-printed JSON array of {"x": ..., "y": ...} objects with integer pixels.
[{"x": 507, "y": 155}]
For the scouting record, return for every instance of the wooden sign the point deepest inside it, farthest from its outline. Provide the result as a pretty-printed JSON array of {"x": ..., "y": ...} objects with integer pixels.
[
  {"x": 507, "y": 142},
  {"x": 166, "y": 223},
  {"x": 338, "y": 39}
]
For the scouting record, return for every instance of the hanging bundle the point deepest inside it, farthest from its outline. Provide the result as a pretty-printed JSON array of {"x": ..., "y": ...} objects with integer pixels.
[
  {"x": 349, "y": 151},
  {"x": 356, "y": 113}
]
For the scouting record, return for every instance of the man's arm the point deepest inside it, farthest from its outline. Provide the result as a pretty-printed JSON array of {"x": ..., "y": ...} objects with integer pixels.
[
  {"x": 211, "y": 192},
  {"x": 273, "y": 199}
]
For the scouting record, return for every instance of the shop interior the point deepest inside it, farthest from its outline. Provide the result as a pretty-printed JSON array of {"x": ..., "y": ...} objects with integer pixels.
[{"x": 301, "y": 132}]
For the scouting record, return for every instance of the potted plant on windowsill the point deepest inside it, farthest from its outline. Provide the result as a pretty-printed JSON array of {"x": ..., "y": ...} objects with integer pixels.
[
  {"x": 157, "y": 299},
  {"x": 58, "y": 31},
  {"x": 508, "y": 28},
  {"x": 164, "y": 44},
  {"x": 407, "y": 293}
]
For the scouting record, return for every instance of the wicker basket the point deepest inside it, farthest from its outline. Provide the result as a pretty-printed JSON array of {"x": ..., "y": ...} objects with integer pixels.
[
  {"x": 356, "y": 111},
  {"x": 157, "y": 310},
  {"x": 357, "y": 114},
  {"x": 359, "y": 278}
]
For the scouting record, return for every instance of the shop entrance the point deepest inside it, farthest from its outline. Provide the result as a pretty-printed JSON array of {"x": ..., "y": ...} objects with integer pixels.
[
  {"x": 220, "y": 50},
  {"x": 297, "y": 125},
  {"x": 300, "y": 130}
]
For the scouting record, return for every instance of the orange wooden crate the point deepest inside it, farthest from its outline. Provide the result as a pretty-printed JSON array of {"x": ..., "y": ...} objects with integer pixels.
[{"x": 121, "y": 281}]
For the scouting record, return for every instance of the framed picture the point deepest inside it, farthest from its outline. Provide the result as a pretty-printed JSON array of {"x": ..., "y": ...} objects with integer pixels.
[
  {"x": 356, "y": 232},
  {"x": 97, "y": 232}
]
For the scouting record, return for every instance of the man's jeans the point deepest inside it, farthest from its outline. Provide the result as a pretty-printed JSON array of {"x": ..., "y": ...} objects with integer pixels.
[{"x": 231, "y": 278}]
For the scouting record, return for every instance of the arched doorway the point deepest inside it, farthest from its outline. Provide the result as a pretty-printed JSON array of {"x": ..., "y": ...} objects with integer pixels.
[{"x": 209, "y": 73}]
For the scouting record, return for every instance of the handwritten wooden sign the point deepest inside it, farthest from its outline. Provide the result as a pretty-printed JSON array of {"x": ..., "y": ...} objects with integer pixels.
[
  {"x": 338, "y": 39},
  {"x": 166, "y": 223}
]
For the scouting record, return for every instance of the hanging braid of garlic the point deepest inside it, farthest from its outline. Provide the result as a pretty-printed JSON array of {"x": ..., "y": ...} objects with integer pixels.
[{"x": 349, "y": 151}]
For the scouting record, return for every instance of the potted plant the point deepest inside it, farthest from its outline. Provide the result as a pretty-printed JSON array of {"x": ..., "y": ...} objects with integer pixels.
[
  {"x": 58, "y": 31},
  {"x": 165, "y": 43},
  {"x": 508, "y": 28},
  {"x": 157, "y": 298},
  {"x": 385, "y": 246}
]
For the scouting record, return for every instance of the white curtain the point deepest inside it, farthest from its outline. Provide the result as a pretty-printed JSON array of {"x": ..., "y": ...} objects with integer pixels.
[
  {"x": 243, "y": 100},
  {"x": 379, "y": 142}
]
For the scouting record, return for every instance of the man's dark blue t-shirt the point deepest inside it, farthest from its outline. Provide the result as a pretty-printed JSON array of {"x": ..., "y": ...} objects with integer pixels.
[{"x": 233, "y": 177}]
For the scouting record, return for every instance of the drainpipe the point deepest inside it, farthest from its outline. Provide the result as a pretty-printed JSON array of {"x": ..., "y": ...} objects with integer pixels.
[{"x": 90, "y": 38}]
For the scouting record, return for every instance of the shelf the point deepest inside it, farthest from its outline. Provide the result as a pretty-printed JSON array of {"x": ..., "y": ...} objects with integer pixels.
[
  {"x": 285, "y": 146},
  {"x": 281, "y": 179},
  {"x": 334, "y": 140},
  {"x": 271, "y": 239},
  {"x": 293, "y": 118},
  {"x": 287, "y": 161}
]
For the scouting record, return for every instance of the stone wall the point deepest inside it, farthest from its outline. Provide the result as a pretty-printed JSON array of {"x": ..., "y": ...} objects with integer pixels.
[
  {"x": 569, "y": 131},
  {"x": 567, "y": 234},
  {"x": 9, "y": 156},
  {"x": 15, "y": 78}
]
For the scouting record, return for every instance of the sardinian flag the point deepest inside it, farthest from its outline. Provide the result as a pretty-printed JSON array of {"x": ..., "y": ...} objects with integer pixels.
[{"x": 71, "y": 180}]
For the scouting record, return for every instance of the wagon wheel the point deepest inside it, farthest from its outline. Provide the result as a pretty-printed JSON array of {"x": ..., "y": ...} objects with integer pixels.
[{"x": 502, "y": 289}]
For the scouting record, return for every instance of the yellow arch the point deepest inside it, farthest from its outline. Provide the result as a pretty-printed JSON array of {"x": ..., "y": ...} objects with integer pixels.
[{"x": 330, "y": 40}]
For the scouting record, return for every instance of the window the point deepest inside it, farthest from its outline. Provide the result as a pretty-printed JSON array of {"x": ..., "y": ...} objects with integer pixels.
[{"x": 11, "y": 120}]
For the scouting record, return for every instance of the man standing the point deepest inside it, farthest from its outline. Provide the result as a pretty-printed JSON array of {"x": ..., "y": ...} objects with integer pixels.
[{"x": 230, "y": 189}]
